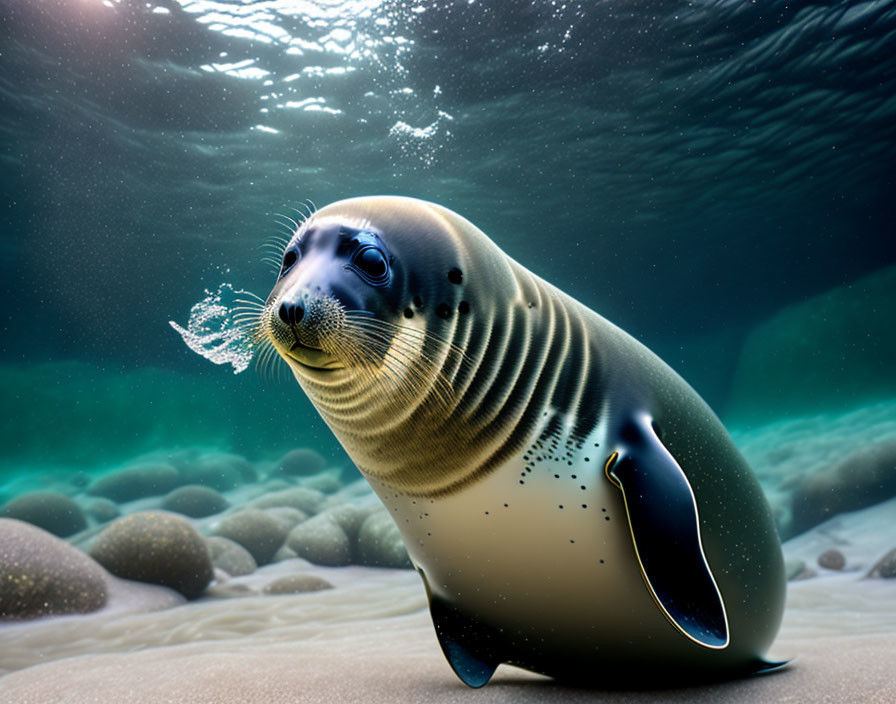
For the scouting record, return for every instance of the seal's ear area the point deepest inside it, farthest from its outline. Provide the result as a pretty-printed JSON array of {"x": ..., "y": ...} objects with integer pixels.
[
  {"x": 665, "y": 528},
  {"x": 468, "y": 646}
]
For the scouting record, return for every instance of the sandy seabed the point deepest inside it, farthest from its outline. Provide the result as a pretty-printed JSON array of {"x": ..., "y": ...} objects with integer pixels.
[{"x": 371, "y": 640}]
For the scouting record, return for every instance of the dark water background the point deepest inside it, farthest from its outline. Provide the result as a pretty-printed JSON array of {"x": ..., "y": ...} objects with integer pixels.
[{"x": 687, "y": 169}]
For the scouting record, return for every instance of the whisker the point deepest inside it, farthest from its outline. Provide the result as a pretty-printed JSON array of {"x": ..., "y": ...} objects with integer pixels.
[
  {"x": 276, "y": 238},
  {"x": 415, "y": 372},
  {"x": 288, "y": 219},
  {"x": 258, "y": 301},
  {"x": 423, "y": 335}
]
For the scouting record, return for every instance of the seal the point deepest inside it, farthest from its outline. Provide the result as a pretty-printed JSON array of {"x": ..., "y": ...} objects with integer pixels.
[{"x": 573, "y": 507}]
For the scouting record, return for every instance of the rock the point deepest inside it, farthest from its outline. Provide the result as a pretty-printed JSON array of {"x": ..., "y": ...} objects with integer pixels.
[
  {"x": 284, "y": 553},
  {"x": 41, "y": 575},
  {"x": 156, "y": 547},
  {"x": 296, "y": 584},
  {"x": 331, "y": 537},
  {"x": 230, "y": 556},
  {"x": 866, "y": 477},
  {"x": 885, "y": 568},
  {"x": 136, "y": 482},
  {"x": 102, "y": 510},
  {"x": 228, "y": 591},
  {"x": 272, "y": 485},
  {"x": 219, "y": 470},
  {"x": 306, "y": 500},
  {"x": 288, "y": 516},
  {"x": 380, "y": 543},
  {"x": 351, "y": 517},
  {"x": 302, "y": 462},
  {"x": 195, "y": 501},
  {"x": 833, "y": 350},
  {"x": 55, "y": 513},
  {"x": 793, "y": 568},
  {"x": 806, "y": 573},
  {"x": 325, "y": 482},
  {"x": 259, "y": 533},
  {"x": 832, "y": 559},
  {"x": 321, "y": 540}
]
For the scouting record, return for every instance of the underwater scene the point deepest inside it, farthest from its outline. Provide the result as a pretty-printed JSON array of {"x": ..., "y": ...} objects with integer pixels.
[{"x": 447, "y": 350}]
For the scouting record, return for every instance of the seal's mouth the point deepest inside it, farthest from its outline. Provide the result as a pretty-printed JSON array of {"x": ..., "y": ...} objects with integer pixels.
[{"x": 312, "y": 357}]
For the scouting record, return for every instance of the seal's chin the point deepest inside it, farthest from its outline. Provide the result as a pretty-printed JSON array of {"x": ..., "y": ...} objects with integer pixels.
[{"x": 312, "y": 357}]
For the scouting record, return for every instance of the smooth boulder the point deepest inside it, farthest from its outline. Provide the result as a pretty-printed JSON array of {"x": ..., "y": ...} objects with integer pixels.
[
  {"x": 221, "y": 471},
  {"x": 136, "y": 482},
  {"x": 195, "y": 501},
  {"x": 308, "y": 501},
  {"x": 302, "y": 462},
  {"x": 885, "y": 568},
  {"x": 322, "y": 541},
  {"x": 156, "y": 547},
  {"x": 41, "y": 575},
  {"x": 102, "y": 510},
  {"x": 380, "y": 543},
  {"x": 230, "y": 556},
  {"x": 863, "y": 478},
  {"x": 260, "y": 534},
  {"x": 296, "y": 584},
  {"x": 330, "y": 538},
  {"x": 55, "y": 513}
]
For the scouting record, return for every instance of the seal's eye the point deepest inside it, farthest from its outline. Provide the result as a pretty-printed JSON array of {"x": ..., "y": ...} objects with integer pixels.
[
  {"x": 370, "y": 264},
  {"x": 371, "y": 261},
  {"x": 289, "y": 259}
]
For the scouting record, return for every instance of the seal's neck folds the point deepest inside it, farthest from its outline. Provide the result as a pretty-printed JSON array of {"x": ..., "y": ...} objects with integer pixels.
[{"x": 439, "y": 411}]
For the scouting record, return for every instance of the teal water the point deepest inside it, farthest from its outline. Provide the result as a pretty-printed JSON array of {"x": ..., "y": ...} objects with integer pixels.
[
  {"x": 686, "y": 169},
  {"x": 715, "y": 177}
]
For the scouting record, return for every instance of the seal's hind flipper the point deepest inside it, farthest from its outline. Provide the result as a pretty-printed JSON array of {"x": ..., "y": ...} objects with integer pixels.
[
  {"x": 665, "y": 528},
  {"x": 467, "y": 644},
  {"x": 762, "y": 666}
]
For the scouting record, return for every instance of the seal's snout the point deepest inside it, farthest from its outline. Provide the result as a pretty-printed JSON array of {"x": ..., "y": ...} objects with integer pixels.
[
  {"x": 291, "y": 313},
  {"x": 301, "y": 324}
]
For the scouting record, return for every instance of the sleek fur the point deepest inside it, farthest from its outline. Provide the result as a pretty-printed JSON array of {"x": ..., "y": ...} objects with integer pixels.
[{"x": 507, "y": 427}]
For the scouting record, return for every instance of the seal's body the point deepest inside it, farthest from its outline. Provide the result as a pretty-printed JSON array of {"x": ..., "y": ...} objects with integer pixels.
[{"x": 572, "y": 505}]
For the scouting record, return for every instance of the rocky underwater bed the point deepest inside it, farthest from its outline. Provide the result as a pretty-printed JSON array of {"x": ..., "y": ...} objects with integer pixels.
[
  {"x": 190, "y": 553},
  {"x": 187, "y": 521}
]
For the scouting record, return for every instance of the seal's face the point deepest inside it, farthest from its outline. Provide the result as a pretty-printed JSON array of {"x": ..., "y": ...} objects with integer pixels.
[
  {"x": 352, "y": 296},
  {"x": 388, "y": 312},
  {"x": 328, "y": 270}
]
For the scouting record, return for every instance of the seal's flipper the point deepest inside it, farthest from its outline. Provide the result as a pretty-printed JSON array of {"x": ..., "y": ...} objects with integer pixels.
[
  {"x": 467, "y": 644},
  {"x": 761, "y": 666},
  {"x": 665, "y": 527}
]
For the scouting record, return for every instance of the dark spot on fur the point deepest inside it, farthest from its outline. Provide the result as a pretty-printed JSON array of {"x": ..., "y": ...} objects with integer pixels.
[
  {"x": 455, "y": 275},
  {"x": 463, "y": 307},
  {"x": 408, "y": 313}
]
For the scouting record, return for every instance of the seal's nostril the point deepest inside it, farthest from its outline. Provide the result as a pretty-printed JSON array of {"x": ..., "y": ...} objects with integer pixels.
[{"x": 291, "y": 313}]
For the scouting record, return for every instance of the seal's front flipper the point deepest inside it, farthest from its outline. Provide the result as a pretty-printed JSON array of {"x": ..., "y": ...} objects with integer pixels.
[
  {"x": 665, "y": 527},
  {"x": 468, "y": 646}
]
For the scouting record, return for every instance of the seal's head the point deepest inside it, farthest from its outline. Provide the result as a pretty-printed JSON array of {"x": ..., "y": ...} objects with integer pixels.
[
  {"x": 359, "y": 274},
  {"x": 377, "y": 303}
]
